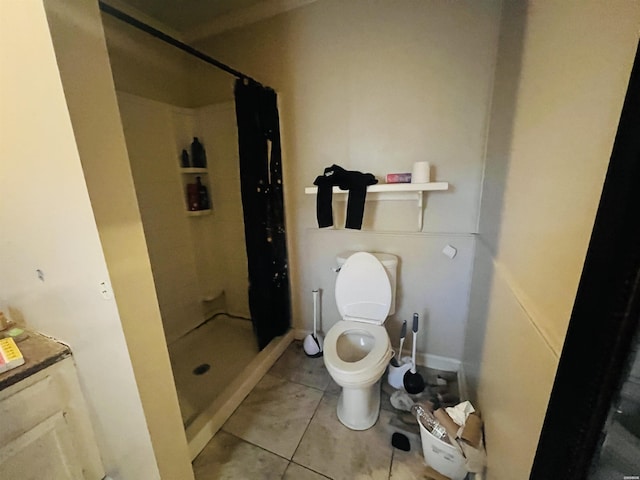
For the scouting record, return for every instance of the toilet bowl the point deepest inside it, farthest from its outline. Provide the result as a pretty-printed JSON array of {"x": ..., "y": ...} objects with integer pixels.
[{"x": 357, "y": 349}]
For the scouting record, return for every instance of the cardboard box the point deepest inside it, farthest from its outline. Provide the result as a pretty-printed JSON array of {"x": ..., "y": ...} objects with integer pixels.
[
  {"x": 398, "y": 178},
  {"x": 472, "y": 432}
]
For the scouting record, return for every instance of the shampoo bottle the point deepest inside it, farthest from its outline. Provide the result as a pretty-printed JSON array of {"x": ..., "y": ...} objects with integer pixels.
[
  {"x": 203, "y": 195},
  {"x": 193, "y": 197},
  {"x": 198, "y": 155},
  {"x": 184, "y": 159}
]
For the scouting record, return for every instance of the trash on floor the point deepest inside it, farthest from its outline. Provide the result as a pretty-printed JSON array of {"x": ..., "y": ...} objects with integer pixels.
[
  {"x": 449, "y": 431},
  {"x": 463, "y": 450}
]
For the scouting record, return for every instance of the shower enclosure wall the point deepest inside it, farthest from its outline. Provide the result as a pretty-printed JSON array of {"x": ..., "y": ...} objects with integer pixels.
[{"x": 198, "y": 259}]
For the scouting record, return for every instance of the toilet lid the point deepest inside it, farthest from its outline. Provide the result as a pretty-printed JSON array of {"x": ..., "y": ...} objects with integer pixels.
[{"x": 363, "y": 290}]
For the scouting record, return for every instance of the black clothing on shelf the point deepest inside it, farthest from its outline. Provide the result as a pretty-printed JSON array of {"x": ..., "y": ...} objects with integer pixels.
[{"x": 355, "y": 182}]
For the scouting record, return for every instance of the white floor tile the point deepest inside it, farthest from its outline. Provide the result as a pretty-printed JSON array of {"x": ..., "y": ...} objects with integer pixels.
[
  {"x": 275, "y": 415},
  {"x": 229, "y": 458},
  {"x": 330, "y": 448},
  {"x": 296, "y": 366}
]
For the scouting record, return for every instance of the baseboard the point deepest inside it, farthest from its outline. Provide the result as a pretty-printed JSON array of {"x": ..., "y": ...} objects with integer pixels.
[
  {"x": 438, "y": 362},
  {"x": 300, "y": 334}
]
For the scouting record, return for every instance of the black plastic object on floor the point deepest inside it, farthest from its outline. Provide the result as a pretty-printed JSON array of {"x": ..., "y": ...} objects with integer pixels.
[{"x": 401, "y": 442}]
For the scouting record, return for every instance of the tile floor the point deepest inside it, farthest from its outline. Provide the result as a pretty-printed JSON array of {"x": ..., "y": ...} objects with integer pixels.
[{"x": 287, "y": 428}]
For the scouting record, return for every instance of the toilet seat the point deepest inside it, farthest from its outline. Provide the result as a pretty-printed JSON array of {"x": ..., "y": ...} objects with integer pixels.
[{"x": 377, "y": 358}]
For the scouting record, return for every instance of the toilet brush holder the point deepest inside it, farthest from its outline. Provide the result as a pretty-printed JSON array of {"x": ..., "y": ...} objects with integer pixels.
[
  {"x": 395, "y": 375},
  {"x": 412, "y": 380},
  {"x": 313, "y": 343}
]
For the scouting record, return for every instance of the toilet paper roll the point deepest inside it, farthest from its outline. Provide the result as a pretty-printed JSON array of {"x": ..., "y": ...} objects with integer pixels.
[{"x": 421, "y": 173}]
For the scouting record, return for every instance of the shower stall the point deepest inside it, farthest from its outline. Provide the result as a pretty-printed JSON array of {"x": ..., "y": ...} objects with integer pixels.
[
  {"x": 219, "y": 267},
  {"x": 198, "y": 258}
]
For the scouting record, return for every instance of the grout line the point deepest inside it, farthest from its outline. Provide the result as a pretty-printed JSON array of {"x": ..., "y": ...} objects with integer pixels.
[
  {"x": 306, "y": 429},
  {"x": 282, "y": 377},
  {"x": 310, "y": 469},
  {"x": 257, "y": 446}
]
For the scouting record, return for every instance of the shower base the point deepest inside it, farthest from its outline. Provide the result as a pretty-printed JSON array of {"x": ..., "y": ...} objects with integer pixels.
[
  {"x": 226, "y": 345},
  {"x": 215, "y": 367}
]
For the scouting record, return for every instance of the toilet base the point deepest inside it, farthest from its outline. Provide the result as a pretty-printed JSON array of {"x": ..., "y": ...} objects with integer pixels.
[{"x": 359, "y": 408}]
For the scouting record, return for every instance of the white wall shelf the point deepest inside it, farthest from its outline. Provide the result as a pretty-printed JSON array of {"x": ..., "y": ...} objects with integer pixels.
[
  {"x": 391, "y": 187},
  {"x": 198, "y": 213},
  {"x": 189, "y": 175},
  {"x": 393, "y": 191}
]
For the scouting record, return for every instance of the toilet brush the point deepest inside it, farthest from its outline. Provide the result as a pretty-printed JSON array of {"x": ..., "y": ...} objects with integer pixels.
[
  {"x": 403, "y": 333},
  {"x": 413, "y": 381},
  {"x": 313, "y": 343}
]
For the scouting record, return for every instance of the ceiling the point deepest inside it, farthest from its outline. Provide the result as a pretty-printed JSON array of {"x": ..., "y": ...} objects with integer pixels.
[
  {"x": 191, "y": 17},
  {"x": 184, "y": 15}
]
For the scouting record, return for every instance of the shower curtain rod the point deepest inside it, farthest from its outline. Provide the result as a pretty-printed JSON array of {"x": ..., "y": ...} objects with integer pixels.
[{"x": 120, "y": 15}]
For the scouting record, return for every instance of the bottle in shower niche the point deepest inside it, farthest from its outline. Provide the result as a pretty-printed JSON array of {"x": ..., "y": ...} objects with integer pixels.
[
  {"x": 203, "y": 195},
  {"x": 198, "y": 155},
  {"x": 184, "y": 159},
  {"x": 193, "y": 197}
]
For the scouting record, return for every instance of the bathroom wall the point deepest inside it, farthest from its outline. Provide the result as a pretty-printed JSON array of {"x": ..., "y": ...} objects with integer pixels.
[
  {"x": 53, "y": 221},
  {"x": 223, "y": 245},
  {"x": 375, "y": 87},
  {"x": 152, "y": 148},
  {"x": 147, "y": 67},
  {"x": 81, "y": 54},
  {"x": 193, "y": 258},
  {"x": 428, "y": 283},
  {"x": 561, "y": 78}
]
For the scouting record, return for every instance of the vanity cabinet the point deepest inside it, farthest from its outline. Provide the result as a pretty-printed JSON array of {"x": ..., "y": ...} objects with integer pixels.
[{"x": 45, "y": 429}]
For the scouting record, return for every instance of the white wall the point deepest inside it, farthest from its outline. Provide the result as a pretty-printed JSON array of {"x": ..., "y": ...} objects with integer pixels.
[
  {"x": 429, "y": 283},
  {"x": 192, "y": 257},
  {"x": 222, "y": 243},
  {"x": 374, "y": 87},
  {"x": 151, "y": 145},
  {"x": 47, "y": 223},
  {"x": 81, "y": 54},
  {"x": 147, "y": 67},
  {"x": 561, "y": 78}
]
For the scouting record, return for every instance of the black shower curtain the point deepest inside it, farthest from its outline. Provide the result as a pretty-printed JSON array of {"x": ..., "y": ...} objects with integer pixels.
[{"x": 263, "y": 206}]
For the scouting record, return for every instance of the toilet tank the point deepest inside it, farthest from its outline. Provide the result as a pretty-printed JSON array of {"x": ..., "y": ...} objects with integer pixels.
[{"x": 390, "y": 264}]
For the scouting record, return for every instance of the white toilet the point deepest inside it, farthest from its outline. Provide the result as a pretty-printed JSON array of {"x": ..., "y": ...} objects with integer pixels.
[{"x": 357, "y": 348}]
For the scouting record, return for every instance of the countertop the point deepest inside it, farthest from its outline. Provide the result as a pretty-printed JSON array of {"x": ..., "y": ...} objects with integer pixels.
[{"x": 39, "y": 352}]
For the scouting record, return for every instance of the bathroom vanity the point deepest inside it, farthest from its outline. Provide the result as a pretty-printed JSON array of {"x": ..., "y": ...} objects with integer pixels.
[{"x": 46, "y": 432}]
